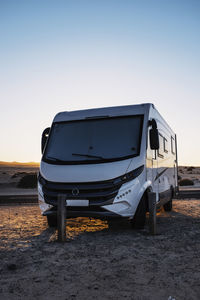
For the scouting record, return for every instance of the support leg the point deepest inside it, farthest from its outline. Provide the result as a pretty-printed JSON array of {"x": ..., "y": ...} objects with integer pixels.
[
  {"x": 61, "y": 218},
  {"x": 152, "y": 213}
]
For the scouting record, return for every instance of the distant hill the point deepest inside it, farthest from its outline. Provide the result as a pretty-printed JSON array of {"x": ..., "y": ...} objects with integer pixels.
[{"x": 15, "y": 164}]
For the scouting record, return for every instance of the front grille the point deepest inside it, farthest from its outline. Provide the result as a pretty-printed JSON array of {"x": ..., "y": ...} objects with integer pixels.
[{"x": 98, "y": 193}]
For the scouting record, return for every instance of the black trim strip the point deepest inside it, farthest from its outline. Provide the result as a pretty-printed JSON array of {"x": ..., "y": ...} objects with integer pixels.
[
  {"x": 164, "y": 197},
  {"x": 99, "y": 214},
  {"x": 159, "y": 174}
]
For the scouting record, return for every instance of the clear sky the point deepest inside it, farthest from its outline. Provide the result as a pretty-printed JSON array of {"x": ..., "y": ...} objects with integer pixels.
[{"x": 67, "y": 55}]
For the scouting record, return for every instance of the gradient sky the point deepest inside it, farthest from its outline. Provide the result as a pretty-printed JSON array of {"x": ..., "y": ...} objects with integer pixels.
[{"x": 67, "y": 55}]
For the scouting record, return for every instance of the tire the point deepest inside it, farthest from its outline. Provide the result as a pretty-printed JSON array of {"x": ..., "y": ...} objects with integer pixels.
[
  {"x": 52, "y": 221},
  {"x": 139, "y": 219},
  {"x": 168, "y": 206},
  {"x": 112, "y": 224}
]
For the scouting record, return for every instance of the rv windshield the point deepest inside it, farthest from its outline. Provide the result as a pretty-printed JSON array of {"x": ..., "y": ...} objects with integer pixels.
[{"x": 94, "y": 140}]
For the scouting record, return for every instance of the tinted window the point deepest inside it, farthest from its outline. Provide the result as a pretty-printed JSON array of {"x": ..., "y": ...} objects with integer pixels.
[
  {"x": 161, "y": 146},
  {"x": 95, "y": 140},
  {"x": 166, "y": 146}
]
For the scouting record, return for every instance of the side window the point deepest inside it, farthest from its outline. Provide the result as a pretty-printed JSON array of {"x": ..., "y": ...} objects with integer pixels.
[
  {"x": 161, "y": 148},
  {"x": 166, "y": 146},
  {"x": 173, "y": 148}
]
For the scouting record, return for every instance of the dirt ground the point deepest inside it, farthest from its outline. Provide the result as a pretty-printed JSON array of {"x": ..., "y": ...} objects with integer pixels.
[{"x": 99, "y": 261}]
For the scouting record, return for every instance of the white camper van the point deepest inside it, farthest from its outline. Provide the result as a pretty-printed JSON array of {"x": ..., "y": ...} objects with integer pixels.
[{"x": 105, "y": 161}]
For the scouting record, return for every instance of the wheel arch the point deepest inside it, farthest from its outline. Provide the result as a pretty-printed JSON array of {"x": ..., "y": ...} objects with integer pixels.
[{"x": 147, "y": 188}]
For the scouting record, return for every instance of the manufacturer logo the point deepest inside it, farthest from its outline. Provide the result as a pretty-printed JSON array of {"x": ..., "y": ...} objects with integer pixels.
[{"x": 75, "y": 192}]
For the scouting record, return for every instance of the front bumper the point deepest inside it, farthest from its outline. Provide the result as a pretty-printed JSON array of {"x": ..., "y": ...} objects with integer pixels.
[
  {"x": 80, "y": 212},
  {"x": 110, "y": 198}
]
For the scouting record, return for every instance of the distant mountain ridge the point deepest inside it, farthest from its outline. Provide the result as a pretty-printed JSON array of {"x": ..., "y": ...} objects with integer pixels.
[{"x": 15, "y": 163}]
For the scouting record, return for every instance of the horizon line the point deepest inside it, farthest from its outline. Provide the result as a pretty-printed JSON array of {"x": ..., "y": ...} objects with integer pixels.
[{"x": 18, "y": 163}]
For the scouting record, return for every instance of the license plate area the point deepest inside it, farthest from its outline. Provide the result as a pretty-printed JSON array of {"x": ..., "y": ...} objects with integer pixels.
[{"x": 77, "y": 202}]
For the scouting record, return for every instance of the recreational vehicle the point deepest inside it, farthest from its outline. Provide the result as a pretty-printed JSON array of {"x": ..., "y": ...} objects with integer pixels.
[{"x": 106, "y": 161}]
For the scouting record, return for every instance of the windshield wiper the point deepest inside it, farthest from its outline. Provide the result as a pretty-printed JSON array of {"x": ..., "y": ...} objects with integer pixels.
[
  {"x": 88, "y": 155},
  {"x": 55, "y": 159}
]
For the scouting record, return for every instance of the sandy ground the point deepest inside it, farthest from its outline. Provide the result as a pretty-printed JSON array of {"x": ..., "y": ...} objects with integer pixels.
[
  {"x": 11, "y": 175},
  {"x": 192, "y": 173},
  {"x": 99, "y": 261}
]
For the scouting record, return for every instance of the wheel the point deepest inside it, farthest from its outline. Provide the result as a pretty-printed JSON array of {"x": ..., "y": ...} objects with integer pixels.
[
  {"x": 52, "y": 220},
  {"x": 139, "y": 218},
  {"x": 117, "y": 223},
  {"x": 168, "y": 206}
]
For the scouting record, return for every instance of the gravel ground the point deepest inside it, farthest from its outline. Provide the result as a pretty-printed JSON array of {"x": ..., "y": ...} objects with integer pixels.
[{"x": 99, "y": 261}]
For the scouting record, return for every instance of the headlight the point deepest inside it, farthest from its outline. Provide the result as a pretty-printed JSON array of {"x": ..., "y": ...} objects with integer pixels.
[{"x": 128, "y": 176}]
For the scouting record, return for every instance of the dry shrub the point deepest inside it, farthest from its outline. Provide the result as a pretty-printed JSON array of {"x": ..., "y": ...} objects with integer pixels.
[
  {"x": 18, "y": 174},
  {"x": 28, "y": 181},
  {"x": 179, "y": 177},
  {"x": 186, "y": 181},
  {"x": 190, "y": 168}
]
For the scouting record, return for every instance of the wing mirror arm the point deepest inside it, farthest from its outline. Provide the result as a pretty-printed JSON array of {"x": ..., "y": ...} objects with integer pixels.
[{"x": 45, "y": 136}]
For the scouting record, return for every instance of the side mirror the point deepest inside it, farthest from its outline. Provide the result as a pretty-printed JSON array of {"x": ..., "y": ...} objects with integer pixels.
[
  {"x": 154, "y": 136},
  {"x": 45, "y": 136}
]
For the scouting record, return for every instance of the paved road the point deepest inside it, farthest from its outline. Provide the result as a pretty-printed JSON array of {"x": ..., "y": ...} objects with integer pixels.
[
  {"x": 18, "y": 199},
  {"x": 192, "y": 194}
]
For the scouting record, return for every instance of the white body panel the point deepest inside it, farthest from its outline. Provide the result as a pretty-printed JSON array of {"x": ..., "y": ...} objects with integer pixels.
[
  {"x": 153, "y": 177},
  {"x": 90, "y": 172},
  {"x": 162, "y": 164}
]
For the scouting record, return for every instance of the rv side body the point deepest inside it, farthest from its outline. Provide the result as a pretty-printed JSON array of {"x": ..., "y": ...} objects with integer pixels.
[
  {"x": 96, "y": 185},
  {"x": 161, "y": 164}
]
